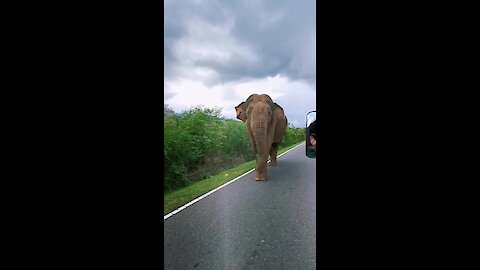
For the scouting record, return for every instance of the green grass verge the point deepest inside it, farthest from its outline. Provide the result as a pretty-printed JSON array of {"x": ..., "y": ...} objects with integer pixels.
[{"x": 179, "y": 197}]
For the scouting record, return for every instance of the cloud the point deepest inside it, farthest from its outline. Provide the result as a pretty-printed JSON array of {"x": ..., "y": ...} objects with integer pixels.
[
  {"x": 304, "y": 59},
  {"x": 208, "y": 43},
  {"x": 207, "y": 51},
  {"x": 240, "y": 39},
  {"x": 217, "y": 53}
]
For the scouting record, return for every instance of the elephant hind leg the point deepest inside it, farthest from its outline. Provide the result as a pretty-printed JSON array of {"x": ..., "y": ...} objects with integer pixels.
[{"x": 273, "y": 154}]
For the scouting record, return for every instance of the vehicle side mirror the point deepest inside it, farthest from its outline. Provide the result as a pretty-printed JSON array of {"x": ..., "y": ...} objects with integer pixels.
[{"x": 311, "y": 135}]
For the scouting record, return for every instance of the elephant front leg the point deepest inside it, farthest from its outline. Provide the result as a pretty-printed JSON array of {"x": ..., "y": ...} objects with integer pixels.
[
  {"x": 261, "y": 165},
  {"x": 261, "y": 169}
]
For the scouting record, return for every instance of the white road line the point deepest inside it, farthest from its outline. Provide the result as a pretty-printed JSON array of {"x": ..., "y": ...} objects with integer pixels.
[{"x": 212, "y": 191}]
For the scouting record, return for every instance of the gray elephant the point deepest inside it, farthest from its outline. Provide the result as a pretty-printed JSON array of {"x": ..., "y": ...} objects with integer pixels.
[{"x": 266, "y": 125}]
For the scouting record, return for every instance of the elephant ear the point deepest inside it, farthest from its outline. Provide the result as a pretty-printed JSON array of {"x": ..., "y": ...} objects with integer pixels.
[
  {"x": 279, "y": 111},
  {"x": 241, "y": 111},
  {"x": 278, "y": 106}
]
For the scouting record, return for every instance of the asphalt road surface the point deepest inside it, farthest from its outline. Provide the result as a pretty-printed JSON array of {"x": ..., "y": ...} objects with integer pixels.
[{"x": 250, "y": 224}]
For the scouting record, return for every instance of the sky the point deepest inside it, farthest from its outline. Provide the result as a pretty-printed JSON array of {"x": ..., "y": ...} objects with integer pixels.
[{"x": 219, "y": 52}]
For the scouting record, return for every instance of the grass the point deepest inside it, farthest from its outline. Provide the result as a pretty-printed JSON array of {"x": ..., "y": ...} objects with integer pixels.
[{"x": 179, "y": 197}]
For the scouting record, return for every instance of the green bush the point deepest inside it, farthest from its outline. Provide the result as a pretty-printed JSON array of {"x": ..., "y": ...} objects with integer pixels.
[
  {"x": 292, "y": 136},
  {"x": 236, "y": 141},
  {"x": 188, "y": 138}
]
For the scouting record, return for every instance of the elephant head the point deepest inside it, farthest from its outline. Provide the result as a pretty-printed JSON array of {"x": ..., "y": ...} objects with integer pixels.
[{"x": 241, "y": 109}]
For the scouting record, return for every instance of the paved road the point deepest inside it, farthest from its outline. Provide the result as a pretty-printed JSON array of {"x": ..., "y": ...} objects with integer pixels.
[{"x": 249, "y": 224}]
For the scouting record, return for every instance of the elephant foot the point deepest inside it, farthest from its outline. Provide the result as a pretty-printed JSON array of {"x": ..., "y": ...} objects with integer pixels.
[
  {"x": 273, "y": 163},
  {"x": 258, "y": 178}
]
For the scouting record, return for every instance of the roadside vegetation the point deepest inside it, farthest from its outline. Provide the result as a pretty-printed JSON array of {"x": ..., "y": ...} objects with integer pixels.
[{"x": 199, "y": 143}]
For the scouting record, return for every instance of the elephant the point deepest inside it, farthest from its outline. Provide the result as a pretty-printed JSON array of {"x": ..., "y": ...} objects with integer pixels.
[{"x": 266, "y": 125}]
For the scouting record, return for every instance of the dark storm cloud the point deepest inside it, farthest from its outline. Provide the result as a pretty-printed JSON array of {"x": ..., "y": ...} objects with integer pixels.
[
  {"x": 218, "y": 52},
  {"x": 231, "y": 40}
]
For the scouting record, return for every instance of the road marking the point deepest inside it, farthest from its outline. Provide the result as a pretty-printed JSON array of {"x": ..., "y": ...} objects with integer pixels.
[{"x": 222, "y": 186}]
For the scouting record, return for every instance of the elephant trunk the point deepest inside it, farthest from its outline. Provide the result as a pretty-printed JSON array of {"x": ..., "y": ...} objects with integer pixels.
[
  {"x": 260, "y": 128},
  {"x": 260, "y": 133}
]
